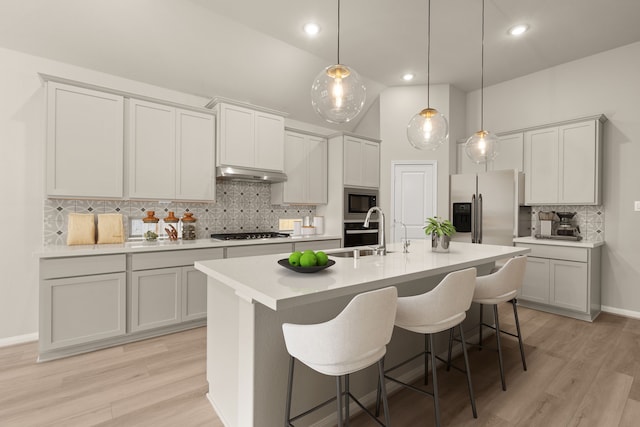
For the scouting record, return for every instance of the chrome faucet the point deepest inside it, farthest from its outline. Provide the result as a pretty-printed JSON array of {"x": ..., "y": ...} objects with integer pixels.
[
  {"x": 405, "y": 242},
  {"x": 381, "y": 249}
]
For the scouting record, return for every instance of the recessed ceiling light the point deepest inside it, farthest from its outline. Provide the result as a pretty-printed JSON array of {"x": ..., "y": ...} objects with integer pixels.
[
  {"x": 518, "y": 30},
  {"x": 408, "y": 77},
  {"x": 311, "y": 29}
]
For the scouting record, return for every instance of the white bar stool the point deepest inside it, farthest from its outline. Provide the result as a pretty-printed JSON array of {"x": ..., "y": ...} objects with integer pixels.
[
  {"x": 501, "y": 286},
  {"x": 438, "y": 310},
  {"x": 353, "y": 340}
]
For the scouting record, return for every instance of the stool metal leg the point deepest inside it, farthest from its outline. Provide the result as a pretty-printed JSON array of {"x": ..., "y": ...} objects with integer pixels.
[
  {"x": 495, "y": 316},
  {"x": 287, "y": 421},
  {"x": 450, "y": 349},
  {"x": 426, "y": 360},
  {"x": 436, "y": 402},
  {"x": 468, "y": 371},
  {"x": 515, "y": 315},
  {"x": 383, "y": 390},
  {"x": 346, "y": 399},
  {"x": 339, "y": 399},
  {"x": 480, "y": 331}
]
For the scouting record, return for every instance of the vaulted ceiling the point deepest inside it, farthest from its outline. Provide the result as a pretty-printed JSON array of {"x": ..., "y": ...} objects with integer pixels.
[{"x": 255, "y": 50}]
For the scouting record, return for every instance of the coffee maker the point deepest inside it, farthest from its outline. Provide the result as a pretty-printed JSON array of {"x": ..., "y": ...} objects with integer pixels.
[{"x": 566, "y": 227}]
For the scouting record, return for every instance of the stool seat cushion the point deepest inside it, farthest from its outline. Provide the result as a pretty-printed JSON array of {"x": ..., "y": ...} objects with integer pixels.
[
  {"x": 503, "y": 285},
  {"x": 496, "y": 299},
  {"x": 443, "y": 325}
]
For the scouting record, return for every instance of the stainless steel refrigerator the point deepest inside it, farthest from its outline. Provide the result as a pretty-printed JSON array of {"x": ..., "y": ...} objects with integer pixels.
[{"x": 488, "y": 207}]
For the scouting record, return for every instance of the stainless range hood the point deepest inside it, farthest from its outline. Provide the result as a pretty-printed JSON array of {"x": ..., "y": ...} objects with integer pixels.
[{"x": 250, "y": 175}]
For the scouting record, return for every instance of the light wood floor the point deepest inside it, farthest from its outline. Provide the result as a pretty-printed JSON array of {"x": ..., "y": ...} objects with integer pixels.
[{"x": 580, "y": 374}]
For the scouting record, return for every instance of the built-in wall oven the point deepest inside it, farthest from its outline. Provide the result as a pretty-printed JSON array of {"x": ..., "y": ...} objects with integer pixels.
[{"x": 355, "y": 234}]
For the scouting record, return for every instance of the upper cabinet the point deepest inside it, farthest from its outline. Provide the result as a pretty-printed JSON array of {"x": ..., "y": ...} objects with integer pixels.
[
  {"x": 510, "y": 156},
  {"x": 85, "y": 134},
  {"x": 361, "y": 162},
  {"x": 305, "y": 163},
  {"x": 249, "y": 138},
  {"x": 170, "y": 152},
  {"x": 562, "y": 163}
]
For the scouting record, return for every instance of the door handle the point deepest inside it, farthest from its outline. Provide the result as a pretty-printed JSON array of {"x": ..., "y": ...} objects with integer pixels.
[
  {"x": 473, "y": 218},
  {"x": 480, "y": 218}
]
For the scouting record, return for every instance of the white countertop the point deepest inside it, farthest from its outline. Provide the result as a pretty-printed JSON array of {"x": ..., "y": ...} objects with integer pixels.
[
  {"x": 261, "y": 279},
  {"x": 166, "y": 245},
  {"x": 551, "y": 242}
]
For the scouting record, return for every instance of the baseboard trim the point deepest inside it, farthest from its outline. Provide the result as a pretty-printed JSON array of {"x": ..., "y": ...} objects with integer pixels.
[
  {"x": 621, "y": 312},
  {"x": 20, "y": 339}
]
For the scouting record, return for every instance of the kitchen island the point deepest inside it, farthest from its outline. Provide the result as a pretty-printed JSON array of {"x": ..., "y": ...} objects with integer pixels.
[{"x": 248, "y": 299}]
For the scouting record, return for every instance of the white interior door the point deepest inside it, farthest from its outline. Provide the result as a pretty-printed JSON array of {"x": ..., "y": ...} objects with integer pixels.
[{"x": 414, "y": 197}]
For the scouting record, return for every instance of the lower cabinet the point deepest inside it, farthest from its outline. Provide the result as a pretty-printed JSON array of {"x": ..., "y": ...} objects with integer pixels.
[
  {"x": 563, "y": 280},
  {"x": 78, "y": 308}
]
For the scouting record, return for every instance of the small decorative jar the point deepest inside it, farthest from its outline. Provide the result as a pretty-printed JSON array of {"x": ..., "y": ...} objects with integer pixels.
[
  {"x": 171, "y": 226},
  {"x": 150, "y": 228},
  {"x": 188, "y": 226}
]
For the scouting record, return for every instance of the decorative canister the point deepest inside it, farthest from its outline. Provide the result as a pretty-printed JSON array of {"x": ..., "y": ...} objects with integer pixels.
[
  {"x": 188, "y": 226},
  {"x": 171, "y": 223},
  {"x": 440, "y": 243},
  {"x": 150, "y": 228}
]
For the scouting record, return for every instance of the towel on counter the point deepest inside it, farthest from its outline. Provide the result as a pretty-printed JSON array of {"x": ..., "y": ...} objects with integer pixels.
[
  {"x": 81, "y": 229},
  {"x": 110, "y": 228}
]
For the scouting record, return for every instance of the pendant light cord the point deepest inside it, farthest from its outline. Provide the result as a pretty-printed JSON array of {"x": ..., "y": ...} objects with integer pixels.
[
  {"x": 428, "y": 50},
  {"x": 338, "y": 31},
  {"x": 482, "y": 75}
]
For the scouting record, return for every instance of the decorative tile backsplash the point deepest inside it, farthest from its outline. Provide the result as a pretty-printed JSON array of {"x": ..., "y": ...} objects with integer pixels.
[
  {"x": 590, "y": 220},
  {"x": 239, "y": 207}
]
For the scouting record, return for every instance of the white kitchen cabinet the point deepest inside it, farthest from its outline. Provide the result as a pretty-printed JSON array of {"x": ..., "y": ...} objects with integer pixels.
[
  {"x": 194, "y": 294},
  {"x": 171, "y": 152},
  {"x": 85, "y": 134},
  {"x": 156, "y": 298},
  {"x": 305, "y": 163},
  {"x": 317, "y": 245},
  {"x": 81, "y": 302},
  {"x": 563, "y": 163},
  {"x": 249, "y": 138},
  {"x": 361, "y": 162},
  {"x": 254, "y": 250},
  {"x": 563, "y": 280}
]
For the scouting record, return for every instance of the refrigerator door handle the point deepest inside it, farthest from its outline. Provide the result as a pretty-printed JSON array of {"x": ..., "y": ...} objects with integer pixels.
[
  {"x": 473, "y": 218},
  {"x": 479, "y": 225}
]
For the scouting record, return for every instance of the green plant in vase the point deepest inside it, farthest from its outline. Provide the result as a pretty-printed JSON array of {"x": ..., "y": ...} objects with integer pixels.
[{"x": 441, "y": 231}]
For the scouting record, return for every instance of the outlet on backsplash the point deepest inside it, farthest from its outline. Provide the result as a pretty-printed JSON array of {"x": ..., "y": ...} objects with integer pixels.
[
  {"x": 590, "y": 219},
  {"x": 239, "y": 206}
]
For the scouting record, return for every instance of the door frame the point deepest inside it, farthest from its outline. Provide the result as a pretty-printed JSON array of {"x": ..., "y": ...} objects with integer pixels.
[{"x": 394, "y": 163}]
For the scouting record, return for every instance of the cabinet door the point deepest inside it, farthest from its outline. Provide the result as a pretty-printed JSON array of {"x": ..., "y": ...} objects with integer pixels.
[
  {"x": 371, "y": 164},
  {"x": 578, "y": 156},
  {"x": 295, "y": 160},
  {"x": 535, "y": 286},
  {"x": 195, "y": 156},
  {"x": 236, "y": 136},
  {"x": 316, "y": 157},
  {"x": 194, "y": 294},
  {"x": 269, "y": 141},
  {"x": 151, "y": 150},
  {"x": 80, "y": 310},
  {"x": 541, "y": 166},
  {"x": 85, "y": 137},
  {"x": 352, "y": 162},
  {"x": 155, "y": 298},
  {"x": 510, "y": 153},
  {"x": 568, "y": 284}
]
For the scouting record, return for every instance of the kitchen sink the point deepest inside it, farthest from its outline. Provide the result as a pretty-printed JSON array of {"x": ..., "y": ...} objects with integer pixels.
[{"x": 349, "y": 254}]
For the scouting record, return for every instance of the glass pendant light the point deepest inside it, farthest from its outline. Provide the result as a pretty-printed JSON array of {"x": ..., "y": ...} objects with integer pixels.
[
  {"x": 482, "y": 146},
  {"x": 337, "y": 93},
  {"x": 428, "y": 129}
]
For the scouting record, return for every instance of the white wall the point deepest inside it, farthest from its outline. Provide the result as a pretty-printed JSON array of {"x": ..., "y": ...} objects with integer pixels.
[
  {"x": 606, "y": 83},
  {"x": 22, "y": 124}
]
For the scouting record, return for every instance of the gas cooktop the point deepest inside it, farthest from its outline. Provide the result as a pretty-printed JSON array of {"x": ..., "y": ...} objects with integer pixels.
[{"x": 249, "y": 236}]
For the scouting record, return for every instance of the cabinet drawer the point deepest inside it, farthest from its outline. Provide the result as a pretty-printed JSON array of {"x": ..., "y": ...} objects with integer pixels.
[
  {"x": 316, "y": 245},
  {"x": 557, "y": 252},
  {"x": 275, "y": 248},
  {"x": 178, "y": 258},
  {"x": 53, "y": 268}
]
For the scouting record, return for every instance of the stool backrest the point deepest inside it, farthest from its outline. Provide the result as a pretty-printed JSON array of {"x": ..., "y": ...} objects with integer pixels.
[
  {"x": 363, "y": 327},
  {"x": 452, "y": 296},
  {"x": 507, "y": 279}
]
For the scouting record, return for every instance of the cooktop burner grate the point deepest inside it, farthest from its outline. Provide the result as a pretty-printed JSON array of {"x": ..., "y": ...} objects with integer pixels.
[{"x": 248, "y": 236}]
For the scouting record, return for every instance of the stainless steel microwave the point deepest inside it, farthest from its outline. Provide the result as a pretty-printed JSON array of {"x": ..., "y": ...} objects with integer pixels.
[{"x": 357, "y": 202}]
